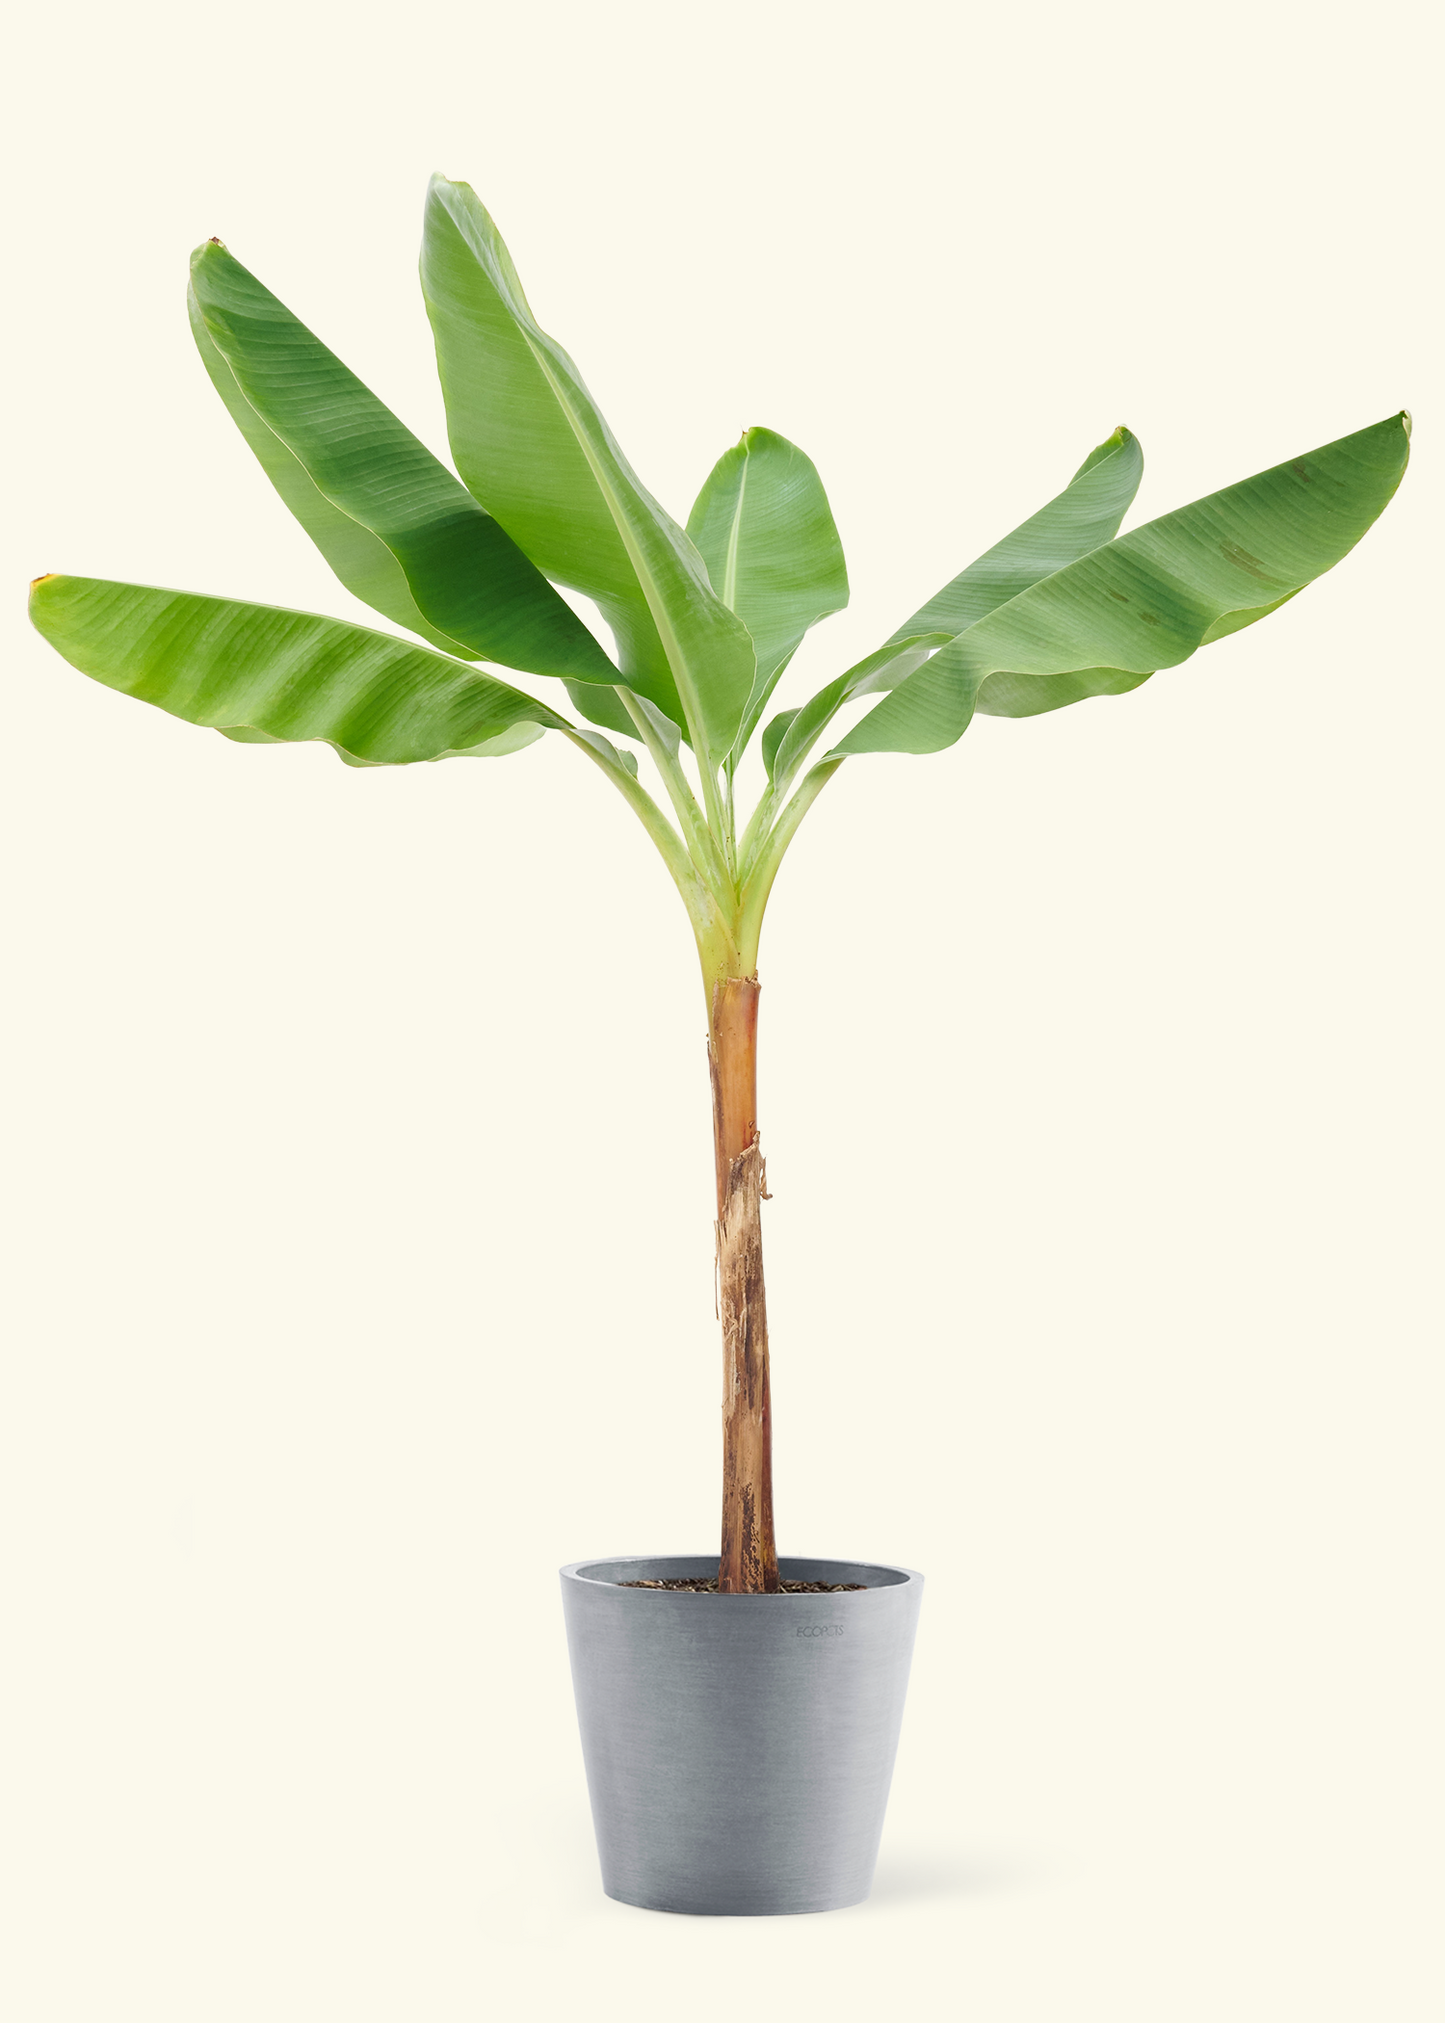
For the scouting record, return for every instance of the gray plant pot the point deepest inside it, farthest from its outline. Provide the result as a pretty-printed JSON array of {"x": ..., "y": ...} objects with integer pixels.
[{"x": 739, "y": 1748}]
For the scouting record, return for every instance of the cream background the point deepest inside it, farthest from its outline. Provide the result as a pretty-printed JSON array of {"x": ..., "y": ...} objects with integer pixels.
[{"x": 359, "y": 1223}]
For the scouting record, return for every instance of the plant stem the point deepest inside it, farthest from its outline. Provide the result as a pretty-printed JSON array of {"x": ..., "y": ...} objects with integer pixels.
[
  {"x": 727, "y": 918},
  {"x": 754, "y": 836},
  {"x": 754, "y": 896},
  {"x": 710, "y": 929},
  {"x": 749, "y": 1558},
  {"x": 702, "y": 847},
  {"x": 730, "y": 847}
]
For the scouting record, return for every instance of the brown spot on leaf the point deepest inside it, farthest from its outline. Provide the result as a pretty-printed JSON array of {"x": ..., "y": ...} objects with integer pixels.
[
  {"x": 1242, "y": 559},
  {"x": 1118, "y": 596}
]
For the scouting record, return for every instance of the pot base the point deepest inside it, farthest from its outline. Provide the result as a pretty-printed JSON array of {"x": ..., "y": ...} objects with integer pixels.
[
  {"x": 739, "y": 1748},
  {"x": 789, "y": 1910}
]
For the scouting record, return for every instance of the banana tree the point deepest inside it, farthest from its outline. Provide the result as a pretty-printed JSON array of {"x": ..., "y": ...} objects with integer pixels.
[{"x": 703, "y": 621}]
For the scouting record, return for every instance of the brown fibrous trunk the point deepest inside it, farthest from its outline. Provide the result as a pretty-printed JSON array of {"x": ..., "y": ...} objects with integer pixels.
[{"x": 749, "y": 1563}]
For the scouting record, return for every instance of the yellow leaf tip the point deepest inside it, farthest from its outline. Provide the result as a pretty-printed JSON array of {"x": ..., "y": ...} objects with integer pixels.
[
  {"x": 1406, "y": 420},
  {"x": 48, "y": 577}
]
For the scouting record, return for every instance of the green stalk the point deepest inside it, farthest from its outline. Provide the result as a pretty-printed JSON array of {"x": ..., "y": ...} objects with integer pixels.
[
  {"x": 770, "y": 855},
  {"x": 701, "y": 845},
  {"x": 726, "y": 922},
  {"x": 757, "y": 833},
  {"x": 759, "y": 823},
  {"x": 730, "y": 817},
  {"x": 711, "y": 925}
]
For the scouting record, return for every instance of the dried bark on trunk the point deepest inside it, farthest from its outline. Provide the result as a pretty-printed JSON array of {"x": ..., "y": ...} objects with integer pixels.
[{"x": 749, "y": 1563}]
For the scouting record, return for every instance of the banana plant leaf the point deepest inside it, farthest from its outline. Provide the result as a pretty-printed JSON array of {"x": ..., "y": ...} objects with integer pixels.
[
  {"x": 1150, "y": 599},
  {"x": 1085, "y": 515},
  {"x": 533, "y": 448},
  {"x": 397, "y": 527},
  {"x": 273, "y": 675},
  {"x": 763, "y": 526}
]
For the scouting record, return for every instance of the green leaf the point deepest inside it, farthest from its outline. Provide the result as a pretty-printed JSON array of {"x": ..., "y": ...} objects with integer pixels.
[
  {"x": 269, "y": 674},
  {"x": 1086, "y": 513},
  {"x": 1149, "y": 599},
  {"x": 1084, "y": 516},
  {"x": 763, "y": 526},
  {"x": 531, "y": 445},
  {"x": 399, "y": 530},
  {"x": 364, "y": 564}
]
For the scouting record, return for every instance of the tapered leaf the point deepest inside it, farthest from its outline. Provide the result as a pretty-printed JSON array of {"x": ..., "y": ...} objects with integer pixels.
[
  {"x": 533, "y": 448},
  {"x": 1084, "y": 516},
  {"x": 1149, "y": 599},
  {"x": 397, "y": 527},
  {"x": 288, "y": 674},
  {"x": 763, "y": 526},
  {"x": 364, "y": 564},
  {"x": 1086, "y": 513}
]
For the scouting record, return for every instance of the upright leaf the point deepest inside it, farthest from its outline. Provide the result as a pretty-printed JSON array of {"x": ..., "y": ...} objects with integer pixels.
[
  {"x": 396, "y": 526},
  {"x": 531, "y": 445},
  {"x": 1150, "y": 599},
  {"x": 287, "y": 674},
  {"x": 763, "y": 526},
  {"x": 1084, "y": 516}
]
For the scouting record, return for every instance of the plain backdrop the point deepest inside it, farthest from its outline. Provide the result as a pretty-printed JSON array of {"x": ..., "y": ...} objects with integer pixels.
[{"x": 359, "y": 1213}]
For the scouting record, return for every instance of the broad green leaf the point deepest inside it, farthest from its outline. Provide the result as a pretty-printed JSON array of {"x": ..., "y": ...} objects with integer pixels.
[
  {"x": 763, "y": 526},
  {"x": 531, "y": 445},
  {"x": 289, "y": 675},
  {"x": 1084, "y": 516},
  {"x": 399, "y": 530},
  {"x": 364, "y": 564},
  {"x": 1149, "y": 599}
]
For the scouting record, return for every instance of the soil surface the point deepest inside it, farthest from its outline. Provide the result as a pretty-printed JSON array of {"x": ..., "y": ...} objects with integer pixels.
[{"x": 787, "y": 1587}]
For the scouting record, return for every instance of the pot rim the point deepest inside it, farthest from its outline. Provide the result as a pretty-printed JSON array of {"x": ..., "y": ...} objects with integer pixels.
[{"x": 588, "y": 1573}]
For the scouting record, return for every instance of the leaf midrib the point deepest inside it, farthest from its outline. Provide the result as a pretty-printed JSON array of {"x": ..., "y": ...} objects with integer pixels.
[
  {"x": 464, "y": 651},
  {"x": 656, "y": 604}
]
